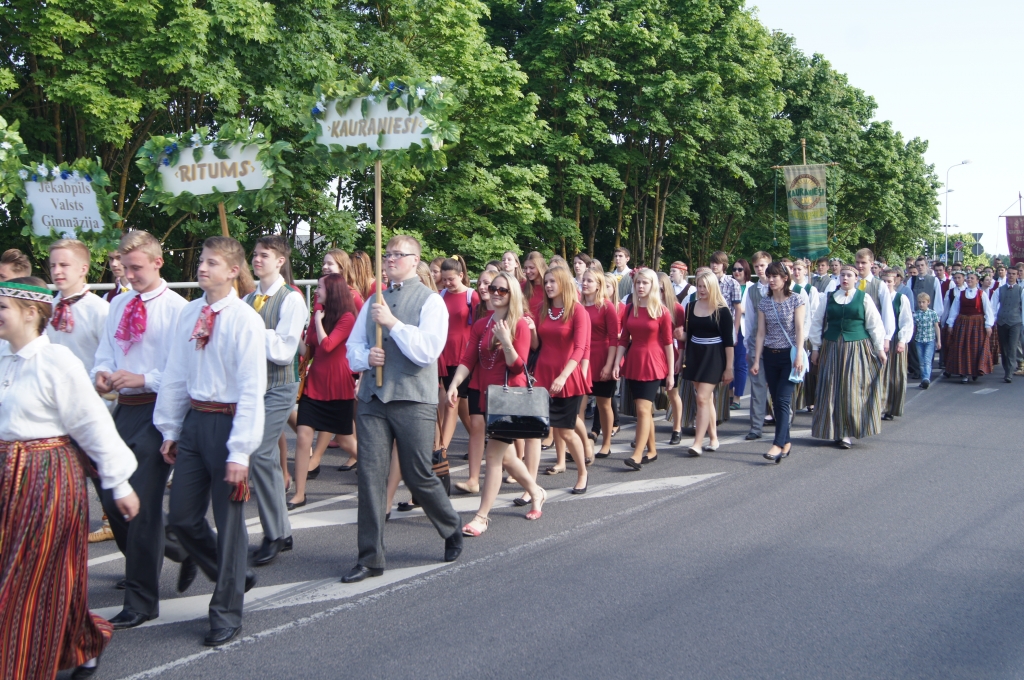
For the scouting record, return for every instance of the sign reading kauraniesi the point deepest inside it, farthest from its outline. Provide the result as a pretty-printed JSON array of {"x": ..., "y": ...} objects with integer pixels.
[
  {"x": 62, "y": 204},
  {"x": 380, "y": 129}
]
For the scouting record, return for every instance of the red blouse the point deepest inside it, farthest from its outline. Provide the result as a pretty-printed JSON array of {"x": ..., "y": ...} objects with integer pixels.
[
  {"x": 460, "y": 324},
  {"x": 487, "y": 365},
  {"x": 357, "y": 299},
  {"x": 645, "y": 358},
  {"x": 537, "y": 301},
  {"x": 562, "y": 341},
  {"x": 604, "y": 336},
  {"x": 329, "y": 376}
]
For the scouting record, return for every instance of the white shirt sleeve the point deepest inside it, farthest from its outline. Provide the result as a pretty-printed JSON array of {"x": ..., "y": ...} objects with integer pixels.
[
  {"x": 105, "y": 359},
  {"x": 251, "y": 378},
  {"x": 874, "y": 323},
  {"x": 424, "y": 343},
  {"x": 986, "y": 306},
  {"x": 283, "y": 341},
  {"x": 888, "y": 314},
  {"x": 906, "y": 321},
  {"x": 937, "y": 297},
  {"x": 954, "y": 311},
  {"x": 356, "y": 347},
  {"x": 817, "y": 323}
]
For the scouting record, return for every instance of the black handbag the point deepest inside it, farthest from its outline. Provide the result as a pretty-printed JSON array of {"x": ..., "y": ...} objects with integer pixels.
[{"x": 518, "y": 412}]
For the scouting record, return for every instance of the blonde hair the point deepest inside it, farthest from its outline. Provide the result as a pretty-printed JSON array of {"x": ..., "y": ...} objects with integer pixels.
[
  {"x": 345, "y": 265},
  {"x": 612, "y": 297},
  {"x": 518, "y": 271},
  {"x": 542, "y": 270},
  {"x": 232, "y": 251},
  {"x": 601, "y": 296},
  {"x": 715, "y": 299},
  {"x": 567, "y": 286},
  {"x": 75, "y": 246},
  {"x": 405, "y": 241},
  {"x": 655, "y": 308},
  {"x": 423, "y": 271},
  {"x": 142, "y": 241},
  {"x": 668, "y": 295},
  {"x": 516, "y": 305},
  {"x": 924, "y": 296}
]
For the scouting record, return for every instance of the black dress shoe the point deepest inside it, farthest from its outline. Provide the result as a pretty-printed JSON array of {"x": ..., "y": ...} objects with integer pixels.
[
  {"x": 128, "y": 619},
  {"x": 292, "y": 506},
  {"x": 406, "y": 507},
  {"x": 220, "y": 636},
  {"x": 359, "y": 572},
  {"x": 887, "y": 416},
  {"x": 187, "y": 574},
  {"x": 342, "y": 468},
  {"x": 314, "y": 473},
  {"x": 121, "y": 584},
  {"x": 578, "y": 492},
  {"x": 83, "y": 672},
  {"x": 752, "y": 436},
  {"x": 645, "y": 460},
  {"x": 286, "y": 544},
  {"x": 453, "y": 547},
  {"x": 632, "y": 464},
  {"x": 250, "y": 580},
  {"x": 267, "y": 552}
]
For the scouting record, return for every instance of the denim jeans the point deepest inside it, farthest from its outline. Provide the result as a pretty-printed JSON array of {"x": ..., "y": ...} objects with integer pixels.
[
  {"x": 925, "y": 354},
  {"x": 777, "y": 367}
]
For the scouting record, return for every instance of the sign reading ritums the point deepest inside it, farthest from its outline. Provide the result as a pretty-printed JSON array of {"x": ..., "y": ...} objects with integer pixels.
[
  {"x": 236, "y": 165},
  {"x": 62, "y": 202}
]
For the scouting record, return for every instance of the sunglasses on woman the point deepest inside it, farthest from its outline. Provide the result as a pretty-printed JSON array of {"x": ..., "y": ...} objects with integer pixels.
[
  {"x": 495, "y": 290},
  {"x": 738, "y": 269}
]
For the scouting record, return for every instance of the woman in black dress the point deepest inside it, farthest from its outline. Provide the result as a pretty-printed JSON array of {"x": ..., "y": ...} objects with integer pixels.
[{"x": 709, "y": 355}]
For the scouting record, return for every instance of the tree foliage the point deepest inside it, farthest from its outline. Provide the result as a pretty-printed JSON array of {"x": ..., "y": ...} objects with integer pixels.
[{"x": 583, "y": 125}]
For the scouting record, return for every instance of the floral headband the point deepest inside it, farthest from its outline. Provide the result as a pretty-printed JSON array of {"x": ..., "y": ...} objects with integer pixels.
[{"x": 24, "y": 291}]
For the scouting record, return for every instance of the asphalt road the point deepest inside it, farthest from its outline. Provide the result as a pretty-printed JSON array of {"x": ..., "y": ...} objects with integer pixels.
[{"x": 900, "y": 558}]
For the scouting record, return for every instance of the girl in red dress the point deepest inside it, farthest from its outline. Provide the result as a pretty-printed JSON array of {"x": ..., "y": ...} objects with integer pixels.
[
  {"x": 510, "y": 264},
  {"x": 563, "y": 329},
  {"x": 498, "y": 346},
  {"x": 462, "y": 303},
  {"x": 646, "y": 344},
  {"x": 337, "y": 261},
  {"x": 533, "y": 283},
  {"x": 604, "y": 340},
  {"x": 668, "y": 299}
]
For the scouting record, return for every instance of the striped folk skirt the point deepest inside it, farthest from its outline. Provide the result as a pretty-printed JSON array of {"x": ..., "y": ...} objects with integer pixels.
[
  {"x": 45, "y": 623},
  {"x": 969, "y": 348},
  {"x": 848, "y": 402},
  {"x": 894, "y": 376},
  {"x": 688, "y": 393}
]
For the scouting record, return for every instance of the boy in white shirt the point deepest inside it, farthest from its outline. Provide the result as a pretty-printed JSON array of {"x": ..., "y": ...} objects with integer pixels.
[
  {"x": 210, "y": 413},
  {"x": 78, "y": 315}
]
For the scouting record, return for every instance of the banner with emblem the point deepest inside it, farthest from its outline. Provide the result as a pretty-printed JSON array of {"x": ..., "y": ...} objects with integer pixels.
[
  {"x": 1015, "y": 237},
  {"x": 808, "y": 215}
]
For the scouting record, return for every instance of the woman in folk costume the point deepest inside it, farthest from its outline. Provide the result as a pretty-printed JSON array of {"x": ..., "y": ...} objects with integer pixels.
[
  {"x": 970, "y": 320},
  {"x": 848, "y": 331},
  {"x": 46, "y": 398},
  {"x": 894, "y": 375}
]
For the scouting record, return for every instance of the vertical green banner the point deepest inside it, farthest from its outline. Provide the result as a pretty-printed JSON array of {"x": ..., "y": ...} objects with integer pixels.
[{"x": 808, "y": 217}]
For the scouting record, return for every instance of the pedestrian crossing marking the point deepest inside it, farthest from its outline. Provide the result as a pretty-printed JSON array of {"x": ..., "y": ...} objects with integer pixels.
[{"x": 987, "y": 390}]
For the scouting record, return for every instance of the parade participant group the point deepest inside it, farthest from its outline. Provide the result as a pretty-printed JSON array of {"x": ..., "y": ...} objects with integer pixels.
[{"x": 139, "y": 383}]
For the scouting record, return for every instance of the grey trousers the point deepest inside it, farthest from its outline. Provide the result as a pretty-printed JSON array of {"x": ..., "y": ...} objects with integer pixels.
[
  {"x": 265, "y": 474},
  {"x": 758, "y": 396},
  {"x": 1009, "y": 345},
  {"x": 199, "y": 476},
  {"x": 411, "y": 425},
  {"x": 142, "y": 540}
]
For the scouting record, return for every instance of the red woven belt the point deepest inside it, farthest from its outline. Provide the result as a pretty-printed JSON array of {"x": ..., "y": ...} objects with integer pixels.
[
  {"x": 136, "y": 399},
  {"x": 212, "y": 407},
  {"x": 36, "y": 444}
]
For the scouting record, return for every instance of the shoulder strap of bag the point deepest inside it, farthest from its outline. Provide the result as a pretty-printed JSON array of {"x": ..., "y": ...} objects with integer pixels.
[
  {"x": 775, "y": 308},
  {"x": 529, "y": 379}
]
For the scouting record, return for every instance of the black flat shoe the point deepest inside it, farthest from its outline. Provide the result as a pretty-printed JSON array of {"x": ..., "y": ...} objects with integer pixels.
[
  {"x": 545, "y": 447},
  {"x": 250, "y": 580},
  {"x": 83, "y": 672},
  {"x": 887, "y": 416},
  {"x": 578, "y": 492},
  {"x": 121, "y": 584},
  {"x": 630, "y": 463},
  {"x": 520, "y": 502},
  {"x": 342, "y": 468},
  {"x": 677, "y": 436},
  {"x": 406, "y": 507},
  {"x": 602, "y": 454},
  {"x": 751, "y": 436},
  {"x": 645, "y": 460},
  {"x": 314, "y": 473},
  {"x": 292, "y": 506},
  {"x": 387, "y": 517},
  {"x": 220, "y": 636},
  {"x": 453, "y": 547},
  {"x": 128, "y": 619},
  {"x": 187, "y": 574},
  {"x": 359, "y": 572},
  {"x": 267, "y": 552}
]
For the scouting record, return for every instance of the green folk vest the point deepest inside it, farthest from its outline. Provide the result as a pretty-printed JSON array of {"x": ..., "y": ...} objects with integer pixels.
[
  {"x": 897, "y": 307},
  {"x": 277, "y": 375},
  {"x": 846, "y": 320},
  {"x": 403, "y": 379}
]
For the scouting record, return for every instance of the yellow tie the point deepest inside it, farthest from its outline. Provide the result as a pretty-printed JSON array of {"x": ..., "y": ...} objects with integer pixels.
[
  {"x": 860, "y": 286},
  {"x": 259, "y": 301}
]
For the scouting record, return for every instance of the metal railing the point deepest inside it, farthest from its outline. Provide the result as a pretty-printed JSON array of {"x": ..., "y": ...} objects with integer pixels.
[{"x": 308, "y": 284}]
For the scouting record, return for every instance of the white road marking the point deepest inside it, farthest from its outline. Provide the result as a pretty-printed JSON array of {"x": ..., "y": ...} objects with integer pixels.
[{"x": 987, "y": 390}]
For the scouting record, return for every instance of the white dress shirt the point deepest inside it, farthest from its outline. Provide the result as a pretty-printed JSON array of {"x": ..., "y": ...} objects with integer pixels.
[
  {"x": 945, "y": 310},
  {"x": 90, "y": 315},
  {"x": 283, "y": 340},
  {"x": 833, "y": 284},
  {"x": 996, "y": 304},
  {"x": 148, "y": 357},
  {"x": 231, "y": 369},
  {"x": 872, "y": 319},
  {"x": 421, "y": 344},
  {"x": 906, "y": 321},
  {"x": 885, "y": 302},
  {"x": 45, "y": 392},
  {"x": 970, "y": 294}
]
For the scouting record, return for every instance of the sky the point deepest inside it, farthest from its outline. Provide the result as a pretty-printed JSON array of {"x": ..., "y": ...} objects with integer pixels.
[{"x": 947, "y": 72}]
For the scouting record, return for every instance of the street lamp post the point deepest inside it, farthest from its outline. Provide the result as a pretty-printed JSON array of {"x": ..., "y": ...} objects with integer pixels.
[{"x": 947, "y": 205}]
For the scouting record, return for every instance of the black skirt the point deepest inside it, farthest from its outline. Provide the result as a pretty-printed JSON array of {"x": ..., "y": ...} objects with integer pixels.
[
  {"x": 704, "y": 363},
  {"x": 605, "y": 389},
  {"x": 473, "y": 397},
  {"x": 644, "y": 389},
  {"x": 326, "y": 416},
  {"x": 563, "y": 411},
  {"x": 446, "y": 380}
]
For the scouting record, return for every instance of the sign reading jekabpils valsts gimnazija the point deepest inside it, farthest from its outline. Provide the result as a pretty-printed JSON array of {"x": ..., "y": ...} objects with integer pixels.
[
  {"x": 63, "y": 203},
  {"x": 381, "y": 128},
  {"x": 211, "y": 173}
]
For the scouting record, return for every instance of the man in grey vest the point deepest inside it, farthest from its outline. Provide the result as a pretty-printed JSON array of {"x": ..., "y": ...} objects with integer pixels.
[
  {"x": 1009, "y": 313},
  {"x": 284, "y": 312},
  {"x": 403, "y": 410},
  {"x": 758, "y": 383}
]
